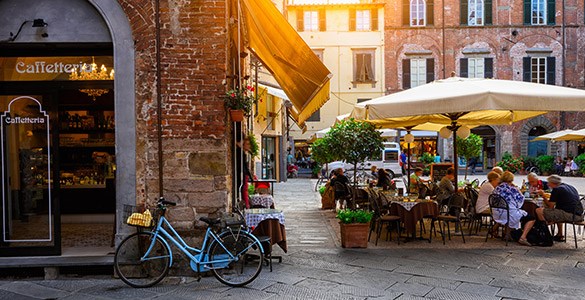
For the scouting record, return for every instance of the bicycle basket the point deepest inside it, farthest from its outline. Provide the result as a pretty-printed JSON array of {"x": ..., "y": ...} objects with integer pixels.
[{"x": 138, "y": 216}]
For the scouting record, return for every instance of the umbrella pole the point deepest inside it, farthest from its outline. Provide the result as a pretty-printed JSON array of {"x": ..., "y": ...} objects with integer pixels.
[
  {"x": 407, "y": 188},
  {"x": 454, "y": 128}
]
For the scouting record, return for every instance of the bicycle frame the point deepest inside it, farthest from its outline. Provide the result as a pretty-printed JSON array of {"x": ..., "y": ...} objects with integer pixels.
[{"x": 199, "y": 257}]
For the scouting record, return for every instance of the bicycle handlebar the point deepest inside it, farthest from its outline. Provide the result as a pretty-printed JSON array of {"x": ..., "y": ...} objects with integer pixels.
[{"x": 162, "y": 201}]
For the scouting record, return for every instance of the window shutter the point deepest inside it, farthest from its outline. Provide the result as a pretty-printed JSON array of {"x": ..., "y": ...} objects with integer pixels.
[
  {"x": 368, "y": 62},
  {"x": 300, "y": 20},
  {"x": 374, "y": 17},
  {"x": 488, "y": 65},
  {"x": 352, "y": 18},
  {"x": 322, "y": 20},
  {"x": 430, "y": 70},
  {"x": 405, "y": 74},
  {"x": 526, "y": 75},
  {"x": 406, "y": 12},
  {"x": 487, "y": 12},
  {"x": 551, "y": 12},
  {"x": 463, "y": 68},
  {"x": 527, "y": 12},
  {"x": 464, "y": 13},
  {"x": 430, "y": 11},
  {"x": 359, "y": 65},
  {"x": 550, "y": 70}
]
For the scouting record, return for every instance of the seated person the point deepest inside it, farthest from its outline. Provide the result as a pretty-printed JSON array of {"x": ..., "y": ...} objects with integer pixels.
[
  {"x": 535, "y": 184},
  {"x": 374, "y": 173},
  {"x": 565, "y": 200},
  {"x": 338, "y": 176},
  {"x": 487, "y": 188},
  {"x": 447, "y": 192},
  {"x": 384, "y": 180},
  {"x": 416, "y": 183},
  {"x": 498, "y": 170},
  {"x": 514, "y": 198}
]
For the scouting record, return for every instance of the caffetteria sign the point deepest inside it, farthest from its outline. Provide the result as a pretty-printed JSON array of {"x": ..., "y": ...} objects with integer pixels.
[{"x": 57, "y": 68}]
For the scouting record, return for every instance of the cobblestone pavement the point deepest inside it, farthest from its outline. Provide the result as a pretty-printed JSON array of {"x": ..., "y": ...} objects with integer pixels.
[{"x": 316, "y": 267}]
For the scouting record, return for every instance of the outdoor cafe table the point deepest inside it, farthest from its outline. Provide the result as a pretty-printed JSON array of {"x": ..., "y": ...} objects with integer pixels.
[
  {"x": 531, "y": 204},
  {"x": 412, "y": 212},
  {"x": 267, "y": 222}
]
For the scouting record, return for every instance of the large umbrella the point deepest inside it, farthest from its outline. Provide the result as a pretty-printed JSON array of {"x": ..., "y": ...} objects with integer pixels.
[
  {"x": 553, "y": 136},
  {"x": 575, "y": 135},
  {"x": 461, "y": 101}
]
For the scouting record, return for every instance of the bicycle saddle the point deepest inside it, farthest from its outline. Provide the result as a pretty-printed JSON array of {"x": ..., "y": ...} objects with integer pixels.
[{"x": 210, "y": 221}]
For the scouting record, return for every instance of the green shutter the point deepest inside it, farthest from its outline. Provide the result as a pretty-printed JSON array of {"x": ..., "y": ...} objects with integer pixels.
[
  {"x": 488, "y": 65},
  {"x": 464, "y": 11},
  {"x": 527, "y": 12},
  {"x": 488, "y": 7},
  {"x": 550, "y": 70},
  {"x": 405, "y": 74},
  {"x": 430, "y": 70},
  {"x": 430, "y": 12},
  {"x": 374, "y": 17},
  {"x": 526, "y": 74},
  {"x": 406, "y": 12},
  {"x": 352, "y": 18},
  {"x": 551, "y": 12},
  {"x": 463, "y": 68}
]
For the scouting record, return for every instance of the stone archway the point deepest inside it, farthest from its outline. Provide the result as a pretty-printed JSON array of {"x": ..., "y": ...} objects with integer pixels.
[{"x": 539, "y": 121}]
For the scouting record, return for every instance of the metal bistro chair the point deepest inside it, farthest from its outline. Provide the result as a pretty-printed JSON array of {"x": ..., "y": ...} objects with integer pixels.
[
  {"x": 476, "y": 219},
  {"x": 380, "y": 219},
  {"x": 498, "y": 202},
  {"x": 575, "y": 222},
  {"x": 343, "y": 193},
  {"x": 446, "y": 218}
]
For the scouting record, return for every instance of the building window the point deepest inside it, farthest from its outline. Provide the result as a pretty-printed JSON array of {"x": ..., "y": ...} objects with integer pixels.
[
  {"x": 315, "y": 117},
  {"x": 311, "y": 20},
  {"x": 477, "y": 67},
  {"x": 475, "y": 13},
  {"x": 363, "y": 67},
  {"x": 417, "y": 71},
  {"x": 417, "y": 12},
  {"x": 539, "y": 69},
  {"x": 359, "y": 100},
  {"x": 363, "y": 20},
  {"x": 539, "y": 12},
  {"x": 318, "y": 53}
]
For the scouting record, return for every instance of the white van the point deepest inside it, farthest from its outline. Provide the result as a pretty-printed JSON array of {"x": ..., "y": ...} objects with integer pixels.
[{"x": 388, "y": 159}]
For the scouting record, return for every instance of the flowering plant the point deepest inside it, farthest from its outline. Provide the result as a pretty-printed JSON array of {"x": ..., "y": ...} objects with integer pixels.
[
  {"x": 240, "y": 98},
  {"x": 510, "y": 163}
]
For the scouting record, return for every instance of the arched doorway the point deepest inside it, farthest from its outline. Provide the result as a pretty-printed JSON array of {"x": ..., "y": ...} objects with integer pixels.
[
  {"x": 537, "y": 148},
  {"x": 487, "y": 159},
  {"x": 88, "y": 153}
]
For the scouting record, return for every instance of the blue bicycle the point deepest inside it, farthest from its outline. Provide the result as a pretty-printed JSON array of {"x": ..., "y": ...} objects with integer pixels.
[{"x": 229, "y": 251}]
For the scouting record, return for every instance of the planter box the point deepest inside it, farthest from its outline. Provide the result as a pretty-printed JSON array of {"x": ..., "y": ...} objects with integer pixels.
[
  {"x": 237, "y": 115},
  {"x": 354, "y": 235}
]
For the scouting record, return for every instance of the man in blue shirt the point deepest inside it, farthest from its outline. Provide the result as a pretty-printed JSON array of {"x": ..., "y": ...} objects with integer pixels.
[{"x": 566, "y": 202}]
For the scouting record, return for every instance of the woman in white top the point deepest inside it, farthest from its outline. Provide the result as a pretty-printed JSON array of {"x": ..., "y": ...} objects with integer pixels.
[{"x": 482, "y": 205}]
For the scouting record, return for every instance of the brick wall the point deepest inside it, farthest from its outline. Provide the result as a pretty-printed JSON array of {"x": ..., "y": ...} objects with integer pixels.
[
  {"x": 505, "y": 48},
  {"x": 194, "y": 44}
]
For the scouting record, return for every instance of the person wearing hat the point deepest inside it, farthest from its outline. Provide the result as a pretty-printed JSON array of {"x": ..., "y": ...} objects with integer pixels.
[
  {"x": 416, "y": 183},
  {"x": 562, "y": 205}
]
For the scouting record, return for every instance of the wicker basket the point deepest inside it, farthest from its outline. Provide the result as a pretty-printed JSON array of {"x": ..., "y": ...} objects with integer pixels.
[{"x": 138, "y": 216}]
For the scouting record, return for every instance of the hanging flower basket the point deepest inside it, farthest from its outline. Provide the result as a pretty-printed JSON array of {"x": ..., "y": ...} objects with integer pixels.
[
  {"x": 241, "y": 99},
  {"x": 237, "y": 115}
]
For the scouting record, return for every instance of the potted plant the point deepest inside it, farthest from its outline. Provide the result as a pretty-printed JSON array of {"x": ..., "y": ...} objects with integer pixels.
[
  {"x": 240, "y": 101},
  {"x": 354, "y": 226},
  {"x": 546, "y": 164}
]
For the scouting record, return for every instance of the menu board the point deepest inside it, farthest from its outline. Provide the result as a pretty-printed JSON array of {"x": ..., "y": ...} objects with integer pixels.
[{"x": 439, "y": 170}]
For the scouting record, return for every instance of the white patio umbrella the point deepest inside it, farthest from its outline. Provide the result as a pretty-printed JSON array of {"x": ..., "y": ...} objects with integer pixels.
[
  {"x": 553, "y": 136},
  {"x": 455, "y": 102},
  {"x": 575, "y": 135}
]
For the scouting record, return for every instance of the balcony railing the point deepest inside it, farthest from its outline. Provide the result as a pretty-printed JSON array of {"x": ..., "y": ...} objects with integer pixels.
[{"x": 331, "y": 2}]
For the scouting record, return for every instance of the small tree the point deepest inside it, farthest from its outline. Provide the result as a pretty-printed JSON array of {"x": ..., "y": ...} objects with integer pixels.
[
  {"x": 469, "y": 148},
  {"x": 322, "y": 152},
  {"x": 354, "y": 142}
]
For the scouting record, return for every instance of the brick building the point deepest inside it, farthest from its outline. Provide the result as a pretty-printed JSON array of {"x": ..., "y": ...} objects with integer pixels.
[{"x": 540, "y": 41}]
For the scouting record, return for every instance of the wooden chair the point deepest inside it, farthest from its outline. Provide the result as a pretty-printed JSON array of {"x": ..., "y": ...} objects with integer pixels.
[{"x": 497, "y": 202}]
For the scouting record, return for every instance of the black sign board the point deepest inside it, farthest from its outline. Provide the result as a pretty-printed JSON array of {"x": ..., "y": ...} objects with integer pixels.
[{"x": 439, "y": 170}]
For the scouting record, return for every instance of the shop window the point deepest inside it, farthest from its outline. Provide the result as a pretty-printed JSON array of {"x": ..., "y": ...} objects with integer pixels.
[
  {"x": 363, "y": 67},
  {"x": 539, "y": 69}
]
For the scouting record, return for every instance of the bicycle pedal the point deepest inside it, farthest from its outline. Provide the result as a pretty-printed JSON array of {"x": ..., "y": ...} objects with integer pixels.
[{"x": 199, "y": 278}]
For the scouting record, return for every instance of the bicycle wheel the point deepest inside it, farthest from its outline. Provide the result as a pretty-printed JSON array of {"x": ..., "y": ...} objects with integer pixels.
[
  {"x": 247, "y": 263},
  {"x": 137, "y": 269}
]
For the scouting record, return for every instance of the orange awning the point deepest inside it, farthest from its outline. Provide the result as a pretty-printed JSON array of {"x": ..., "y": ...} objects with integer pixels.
[{"x": 298, "y": 71}]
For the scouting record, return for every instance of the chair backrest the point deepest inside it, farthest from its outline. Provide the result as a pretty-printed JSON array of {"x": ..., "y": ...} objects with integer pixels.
[
  {"x": 471, "y": 194},
  {"x": 497, "y": 201},
  {"x": 374, "y": 203},
  {"x": 341, "y": 187}
]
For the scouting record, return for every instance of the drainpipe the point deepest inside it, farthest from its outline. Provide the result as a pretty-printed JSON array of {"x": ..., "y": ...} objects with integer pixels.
[
  {"x": 158, "y": 97},
  {"x": 443, "y": 37},
  {"x": 562, "y": 123}
]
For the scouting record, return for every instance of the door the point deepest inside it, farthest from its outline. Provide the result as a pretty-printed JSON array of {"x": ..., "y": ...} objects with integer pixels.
[{"x": 30, "y": 215}]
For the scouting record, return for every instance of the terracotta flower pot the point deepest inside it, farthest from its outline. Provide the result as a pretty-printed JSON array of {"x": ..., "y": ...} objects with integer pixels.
[
  {"x": 354, "y": 235},
  {"x": 237, "y": 115}
]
